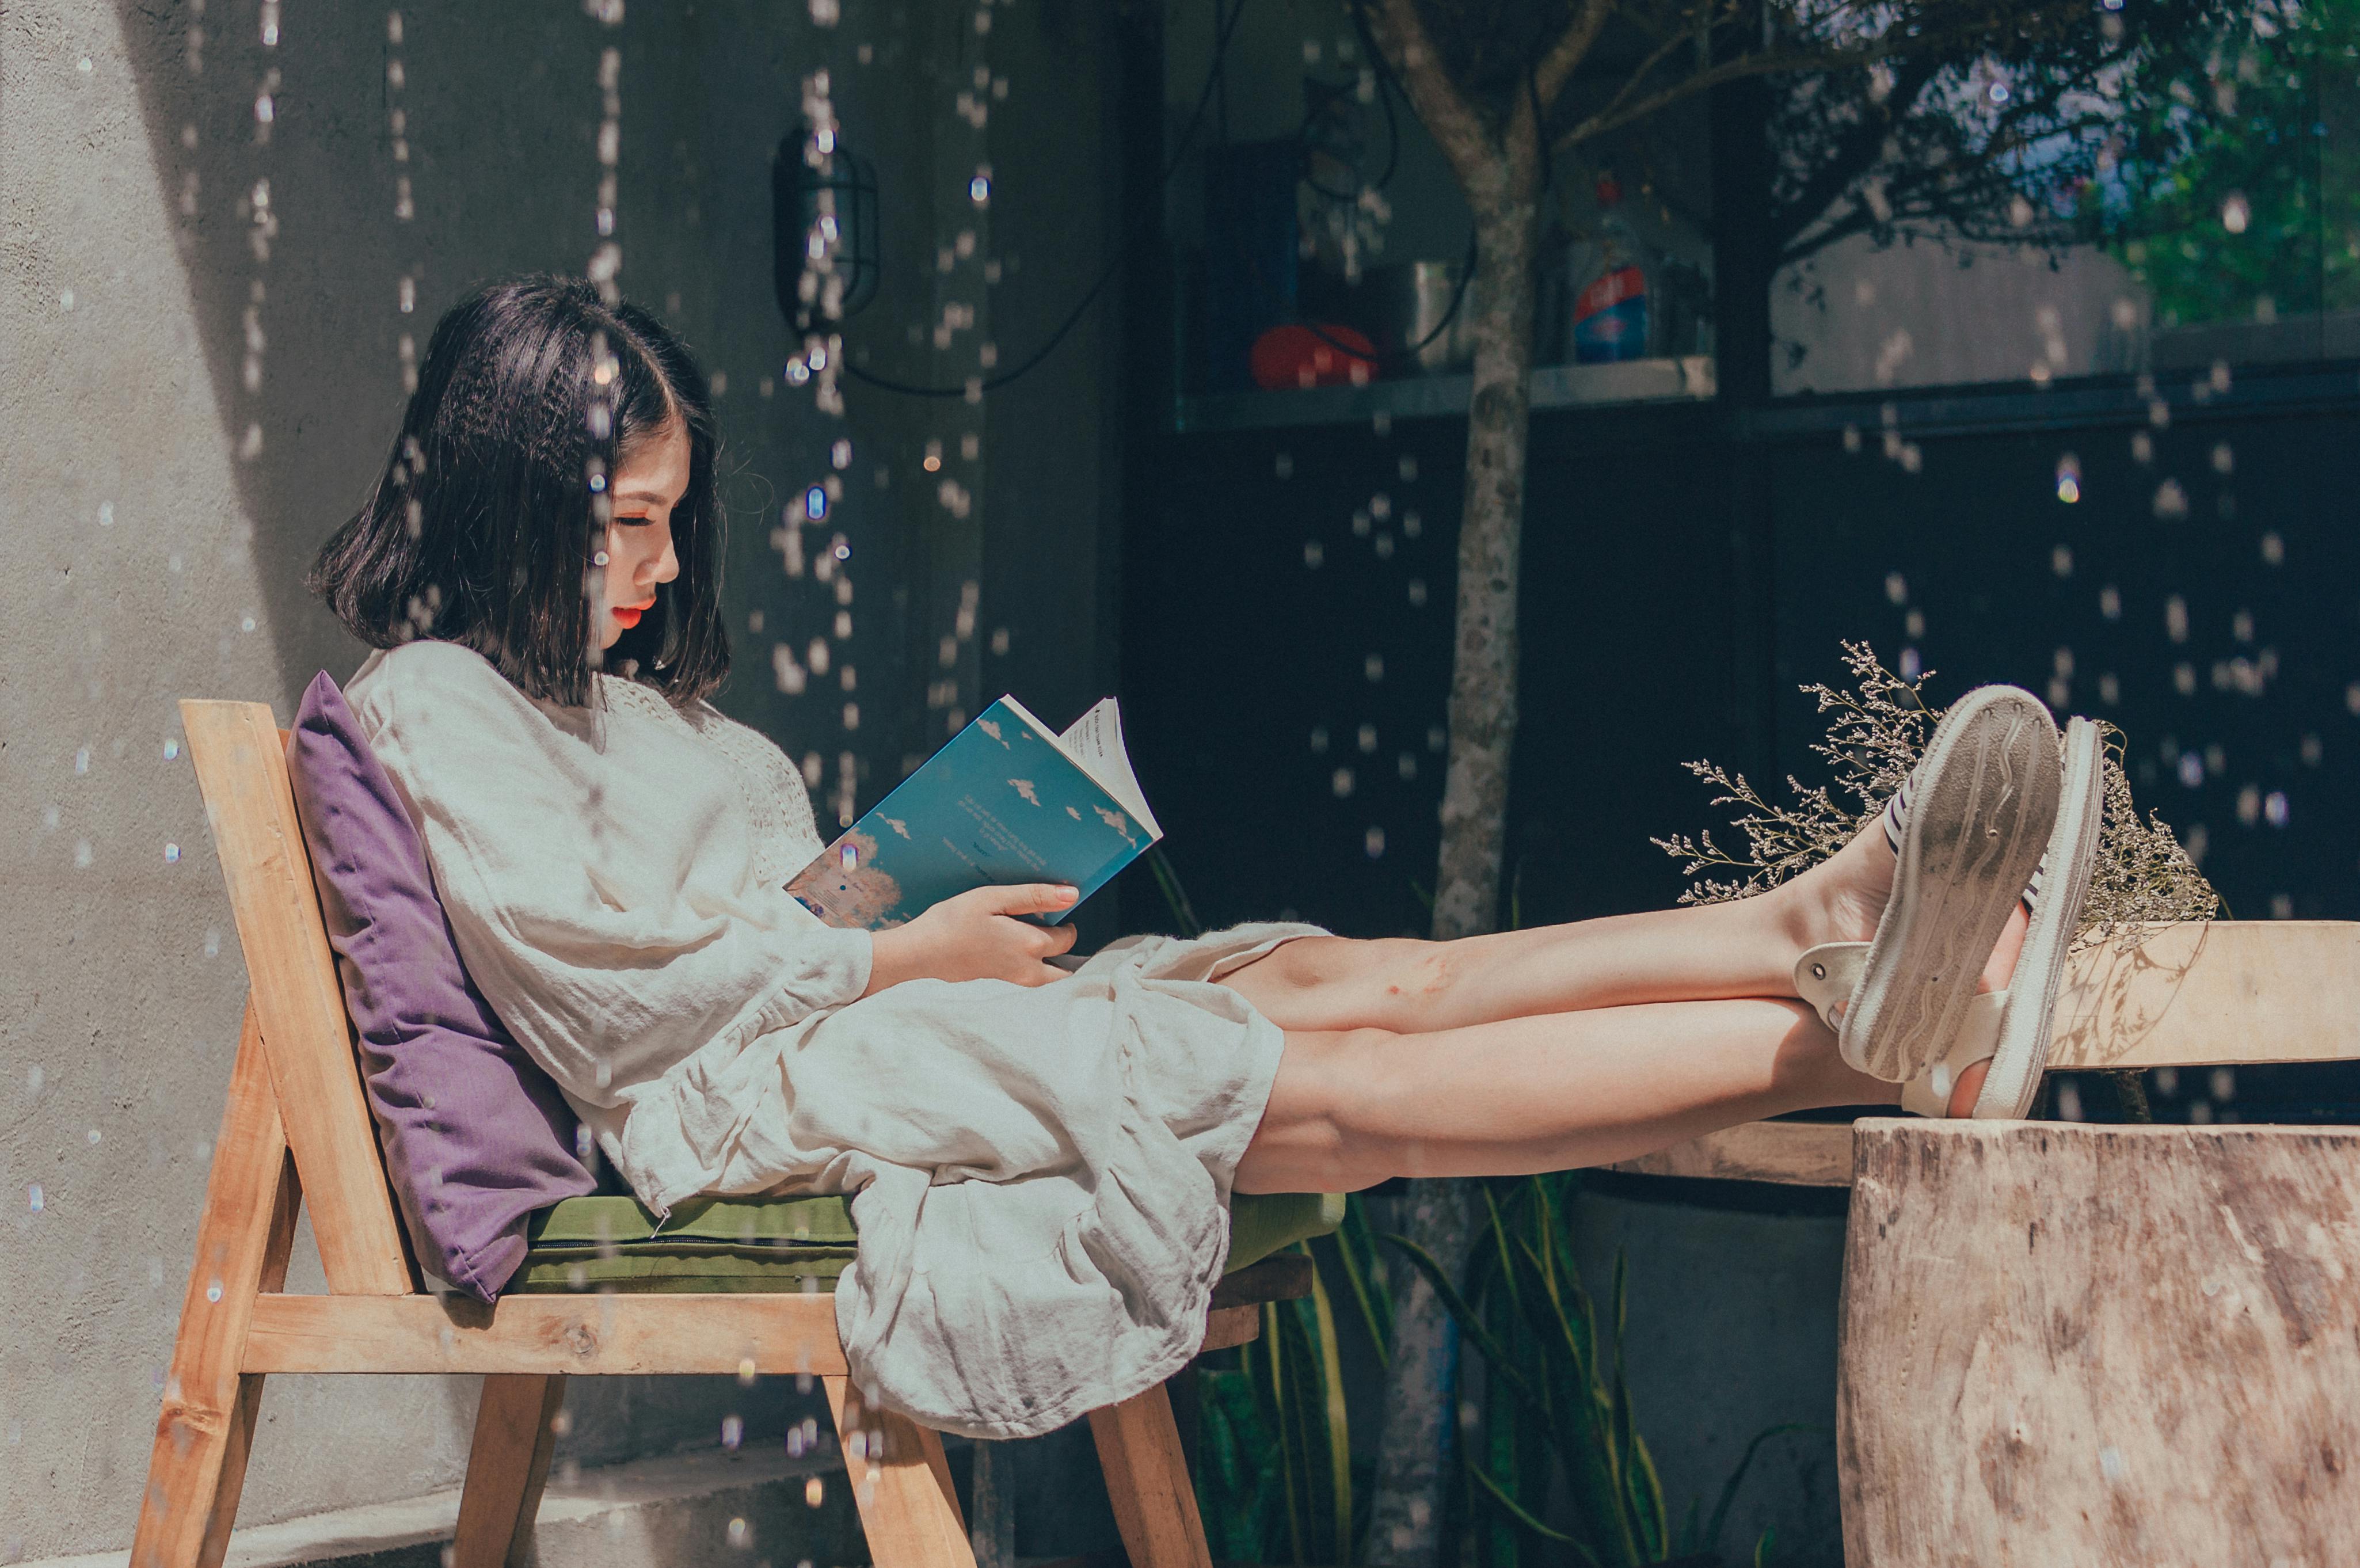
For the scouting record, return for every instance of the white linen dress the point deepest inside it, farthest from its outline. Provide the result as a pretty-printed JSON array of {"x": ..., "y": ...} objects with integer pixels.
[{"x": 1040, "y": 1175}]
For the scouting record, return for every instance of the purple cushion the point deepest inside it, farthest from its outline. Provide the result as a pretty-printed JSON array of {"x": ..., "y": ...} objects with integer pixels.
[{"x": 475, "y": 1136}]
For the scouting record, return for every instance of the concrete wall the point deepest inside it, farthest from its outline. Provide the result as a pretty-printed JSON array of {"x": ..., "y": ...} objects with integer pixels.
[
  {"x": 1733, "y": 1298},
  {"x": 158, "y": 509}
]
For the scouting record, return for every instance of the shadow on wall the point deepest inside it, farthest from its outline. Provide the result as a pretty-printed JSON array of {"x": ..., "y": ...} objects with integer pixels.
[
  {"x": 282, "y": 163},
  {"x": 278, "y": 168}
]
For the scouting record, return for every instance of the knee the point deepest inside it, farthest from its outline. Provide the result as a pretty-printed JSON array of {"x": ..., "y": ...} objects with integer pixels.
[{"x": 1409, "y": 976}]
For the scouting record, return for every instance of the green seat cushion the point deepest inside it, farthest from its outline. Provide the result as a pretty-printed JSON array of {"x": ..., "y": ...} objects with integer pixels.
[{"x": 791, "y": 1244}]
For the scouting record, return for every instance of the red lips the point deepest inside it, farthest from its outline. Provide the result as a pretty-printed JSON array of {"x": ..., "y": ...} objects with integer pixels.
[{"x": 628, "y": 616}]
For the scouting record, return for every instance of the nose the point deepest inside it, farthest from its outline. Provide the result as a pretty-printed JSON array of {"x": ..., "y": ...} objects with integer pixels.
[{"x": 667, "y": 561}]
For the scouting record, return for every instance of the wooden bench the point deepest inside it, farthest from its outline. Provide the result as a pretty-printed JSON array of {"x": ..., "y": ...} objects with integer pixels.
[{"x": 296, "y": 1130}]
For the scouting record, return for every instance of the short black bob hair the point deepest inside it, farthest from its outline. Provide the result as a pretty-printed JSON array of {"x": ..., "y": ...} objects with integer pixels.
[{"x": 481, "y": 528}]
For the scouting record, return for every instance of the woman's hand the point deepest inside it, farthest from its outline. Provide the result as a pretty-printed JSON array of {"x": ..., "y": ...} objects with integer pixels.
[{"x": 976, "y": 936}]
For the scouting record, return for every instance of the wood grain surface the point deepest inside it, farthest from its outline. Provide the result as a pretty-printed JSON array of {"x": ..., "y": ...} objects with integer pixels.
[
  {"x": 205, "y": 1430},
  {"x": 2068, "y": 1345},
  {"x": 1147, "y": 1481},
  {"x": 242, "y": 772},
  {"x": 541, "y": 1335},
  {"x": 2222, "y": 993},
  {"x": 1799, "y": 1154},
  {"x": 507, "y": 1466},
  {"x": 901, "y": 1485}
]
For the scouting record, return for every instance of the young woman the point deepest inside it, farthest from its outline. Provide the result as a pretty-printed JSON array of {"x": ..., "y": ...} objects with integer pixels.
[{"x": 539, "y": 568}]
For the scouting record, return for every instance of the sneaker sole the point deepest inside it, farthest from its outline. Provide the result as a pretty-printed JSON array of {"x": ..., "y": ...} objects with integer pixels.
[
  {"x": 2031, "y": 1016},
  {"x": 1984, "y": 802}
]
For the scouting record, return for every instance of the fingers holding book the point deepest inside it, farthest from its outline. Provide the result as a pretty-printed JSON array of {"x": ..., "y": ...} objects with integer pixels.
[{"x": 981, "y": 934}]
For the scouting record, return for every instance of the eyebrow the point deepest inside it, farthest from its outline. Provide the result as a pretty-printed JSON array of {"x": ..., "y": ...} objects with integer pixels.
[{"x": 639, "y": 494}]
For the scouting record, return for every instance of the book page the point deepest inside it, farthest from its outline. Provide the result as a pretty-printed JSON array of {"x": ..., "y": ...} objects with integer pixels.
[{"x": 1095, "y": 740}]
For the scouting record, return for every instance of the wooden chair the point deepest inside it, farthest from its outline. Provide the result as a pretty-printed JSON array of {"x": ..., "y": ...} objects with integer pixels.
[{"x": 297, "y": 1128}]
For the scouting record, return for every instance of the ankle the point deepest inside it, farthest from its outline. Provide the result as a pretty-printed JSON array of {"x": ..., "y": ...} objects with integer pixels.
[
  {"x": 1969, "y": 1086},
  {"x": 1796, "y": 918},
  {"x": 2001, "y": 968}
]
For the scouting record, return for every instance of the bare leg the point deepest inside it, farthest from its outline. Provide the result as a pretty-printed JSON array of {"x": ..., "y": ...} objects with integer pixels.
[
  {"x": 1406, "y": 989},
  {"x": 1352, "y": 1108},
  {"x": 1743, "y": 949}
]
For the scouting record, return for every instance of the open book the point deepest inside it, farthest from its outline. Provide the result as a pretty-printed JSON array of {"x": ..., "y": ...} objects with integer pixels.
[{"x": 1007, "y": 800}]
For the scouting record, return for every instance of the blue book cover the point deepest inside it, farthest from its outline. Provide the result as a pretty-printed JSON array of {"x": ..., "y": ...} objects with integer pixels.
[{"x": 1007, "y": 800}]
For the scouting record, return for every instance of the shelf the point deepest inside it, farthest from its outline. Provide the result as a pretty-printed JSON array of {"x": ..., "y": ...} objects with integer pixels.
[
  {"x": 1686, "y": 379},
  {"x": 2093, "y": 401}
]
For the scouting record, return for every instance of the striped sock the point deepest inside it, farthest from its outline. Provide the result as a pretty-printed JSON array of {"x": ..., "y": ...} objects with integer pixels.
[{"x": 1897, "y": 813}]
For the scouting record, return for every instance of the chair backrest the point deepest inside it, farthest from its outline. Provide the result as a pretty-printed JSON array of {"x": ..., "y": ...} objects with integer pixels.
[{"x": 241, "y": 765}]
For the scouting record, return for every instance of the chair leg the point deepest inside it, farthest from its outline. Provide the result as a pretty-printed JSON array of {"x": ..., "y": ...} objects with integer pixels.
[
  {"x": 197, "y": 1468},
  {"x": 1147, "y": 1481},
  {"x": 516, "y": 1431},
  {"x": 901, "y": 1485}
]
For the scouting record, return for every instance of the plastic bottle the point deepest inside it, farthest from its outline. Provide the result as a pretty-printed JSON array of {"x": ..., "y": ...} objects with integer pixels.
[{"x": 1611, "y": 299}]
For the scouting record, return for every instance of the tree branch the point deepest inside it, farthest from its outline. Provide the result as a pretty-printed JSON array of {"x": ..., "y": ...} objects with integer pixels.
[
  {"x": 1643, "y": 70},
  {"x": 1455, "y": 124},
  {"x": 1813, "y": 61},
  {"x": 1572, "y": 46},
  {"x": 1856, "y": 151}
]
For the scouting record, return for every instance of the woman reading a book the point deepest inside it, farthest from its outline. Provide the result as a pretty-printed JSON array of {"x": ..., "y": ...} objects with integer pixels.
[{"x": 539, "y": 570}]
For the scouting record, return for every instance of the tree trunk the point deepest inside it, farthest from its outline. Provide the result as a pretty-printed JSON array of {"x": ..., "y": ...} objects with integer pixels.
[
  {"x": 1491, "y": 534},
  {"x": 1405, "y": 1522}
]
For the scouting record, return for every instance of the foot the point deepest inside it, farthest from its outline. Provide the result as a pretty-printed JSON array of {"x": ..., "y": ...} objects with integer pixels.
[
  {"x": 1841, "y": 900},
  {"x": 1995, "y": 976}
]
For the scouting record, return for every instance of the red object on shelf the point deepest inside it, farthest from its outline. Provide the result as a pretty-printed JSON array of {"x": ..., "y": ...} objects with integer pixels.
[{"x": 1292, "y": 355}]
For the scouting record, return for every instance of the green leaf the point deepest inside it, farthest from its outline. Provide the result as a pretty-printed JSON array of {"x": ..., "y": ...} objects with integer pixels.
[
  {"x": 1291, "y": 1471},
  {"x": 1505, "y": 1422},
  {"x": 1712, "y": 1542},
  {"x": 1647, "y": 1493},
  {"x": 1553, "y": 1317},
  {"x": 1585, "y": 1445},
  {"x": 1621, "y": 1301},
  {"x": 1234, "y": 1472},
  {"x": 1515, "y": 1511},
  {"x": 1498, "y": 1232},
  {"x": 1176, "y": 897},
  {"x": 1619, "y": 1446},
  {"x": 1691, "y": 1536},
  {"x": 1495, "y": 1354},
  {"x": 1335, "y": 1430},
  {"x": 1762, "y": 1548},
  {"x": 1358, "y": 1248}
]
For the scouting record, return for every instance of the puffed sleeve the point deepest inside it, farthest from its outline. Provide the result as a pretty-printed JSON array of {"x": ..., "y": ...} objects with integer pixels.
[{"x": 609, "y": 919}]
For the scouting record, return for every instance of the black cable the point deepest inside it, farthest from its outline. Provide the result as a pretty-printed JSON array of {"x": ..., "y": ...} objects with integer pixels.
[
  {"x": 1400, "y": 357},
  {"x": 1123, "y": 251}
]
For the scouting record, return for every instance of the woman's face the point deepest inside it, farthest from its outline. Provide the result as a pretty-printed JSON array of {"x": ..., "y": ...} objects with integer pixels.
[{"x": 651, "y": 478}]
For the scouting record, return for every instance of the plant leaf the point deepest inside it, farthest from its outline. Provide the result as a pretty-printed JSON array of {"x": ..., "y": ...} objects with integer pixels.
[
  {"x": 1621, "y": 1301},
  {"x": 1619, "y": 1446},
  {"x": 1691, "y": 1540},
  {"x": 1499, "y": 1233},
  {"x": 1358, "y": 1248},
  {"x": 1516, "y": 1511},
  {"x": 1176, "y": 897},
  {"x": 1495, "y": 1354},
  {"x": 1647, "y": 1493},
  {"x": 1334, "y": 1427},
  {"x": 1720, "y": 1520}
]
